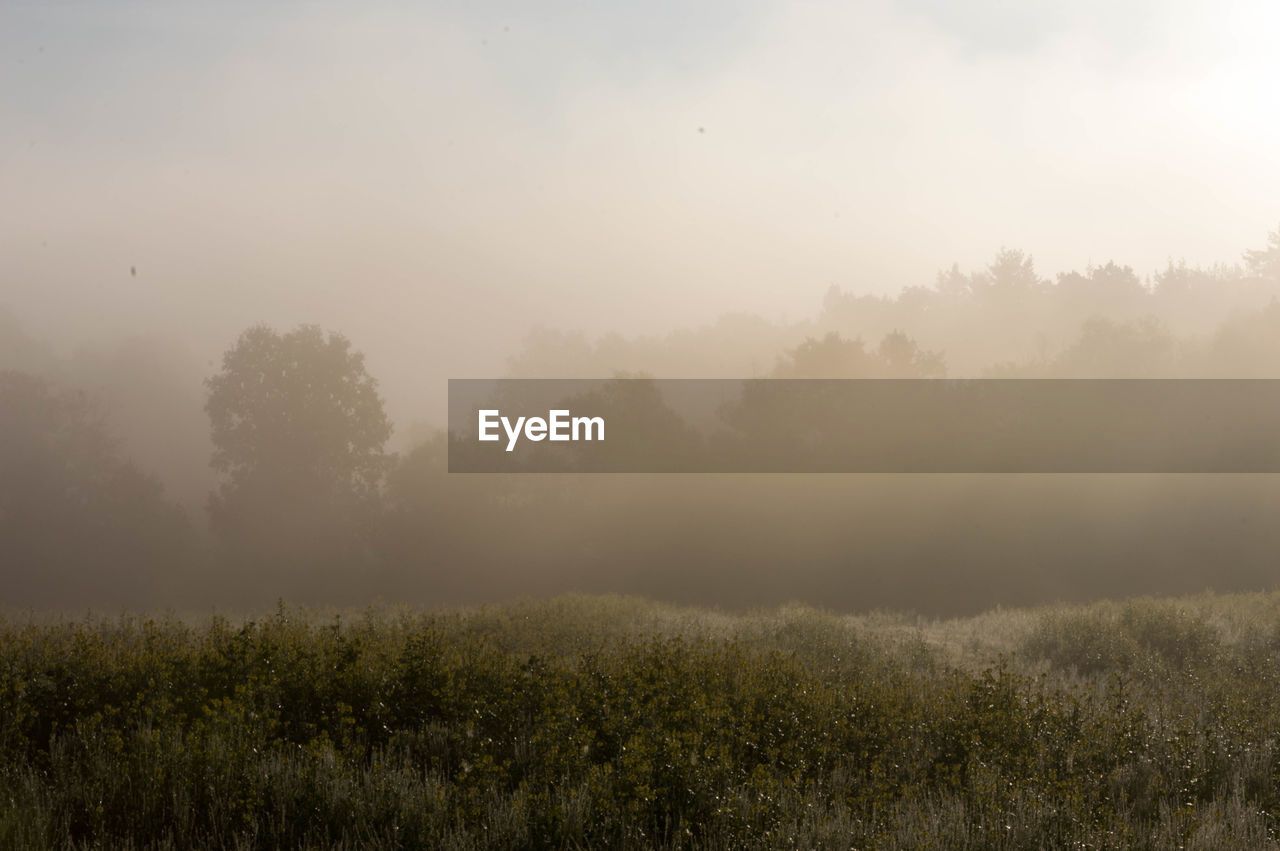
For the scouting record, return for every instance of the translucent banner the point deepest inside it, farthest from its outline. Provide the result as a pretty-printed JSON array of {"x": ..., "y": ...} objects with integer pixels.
[{"x": 635, "y": 425}]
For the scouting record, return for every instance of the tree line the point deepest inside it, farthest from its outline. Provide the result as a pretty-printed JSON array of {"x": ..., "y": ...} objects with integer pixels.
[{"x": 311, "y": 504}]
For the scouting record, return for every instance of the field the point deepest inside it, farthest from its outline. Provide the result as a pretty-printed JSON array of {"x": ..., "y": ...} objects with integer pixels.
[{"x": 588, "y": 722}]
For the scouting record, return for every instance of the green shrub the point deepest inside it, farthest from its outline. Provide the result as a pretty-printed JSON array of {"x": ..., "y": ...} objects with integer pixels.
[{"x": 514, "y": 728}]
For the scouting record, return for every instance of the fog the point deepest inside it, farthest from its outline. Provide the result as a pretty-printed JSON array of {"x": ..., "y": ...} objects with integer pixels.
[
  {"x": 565, "y": 191},
  {"x": 435, "y": 180}
]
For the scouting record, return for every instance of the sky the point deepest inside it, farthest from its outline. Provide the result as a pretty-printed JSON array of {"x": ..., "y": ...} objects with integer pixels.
[{"x": 436, "y": 179}]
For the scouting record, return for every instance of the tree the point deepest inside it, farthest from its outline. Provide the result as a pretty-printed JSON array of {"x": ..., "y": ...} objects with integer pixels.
[
  {"x": 903, "y": 358},
  {"x": 78, "y": 523},
  {"x": 831, "y": 357},
  {"x": 1265, "y": 263},
  {"x": 1010, "y": 272},
  {"x": 953, "y": 283},
  {"x": 1109, "y": 349},
  {"x": 898, "y": 356},
  {"x": 298, "y": 431}
]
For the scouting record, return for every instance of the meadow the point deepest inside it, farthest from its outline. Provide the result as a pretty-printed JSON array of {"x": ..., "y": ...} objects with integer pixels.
[{"x": 602, "y": 721}]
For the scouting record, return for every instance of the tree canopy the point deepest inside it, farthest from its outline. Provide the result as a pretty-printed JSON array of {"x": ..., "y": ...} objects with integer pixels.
[{"x": 299, "y": 432}]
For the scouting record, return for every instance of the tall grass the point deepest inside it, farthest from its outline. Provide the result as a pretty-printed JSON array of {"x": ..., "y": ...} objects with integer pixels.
[{"x": 585, "y": 722}]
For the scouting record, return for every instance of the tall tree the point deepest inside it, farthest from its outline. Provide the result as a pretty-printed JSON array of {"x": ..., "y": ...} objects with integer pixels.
[{"x": 299, "y": 432}]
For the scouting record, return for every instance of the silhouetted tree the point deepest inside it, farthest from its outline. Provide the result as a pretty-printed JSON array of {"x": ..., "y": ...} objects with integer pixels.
[
  {"x": 78, "y": 523},
  {"x": 903, "y": 358},
  {"x": 1265, "y": 263},
  {"x": 1107, "y": 349},
  {"x": 831, "y": 357},
  {"x": 898, "y": 356},
  {"x": 1010, "y": 271},
  {"x": 298, "y": 431},
  {"x": 1103, "y": 289},
  {"x": 953, "y": 283},
  {"x": 1246, "y": 346}
]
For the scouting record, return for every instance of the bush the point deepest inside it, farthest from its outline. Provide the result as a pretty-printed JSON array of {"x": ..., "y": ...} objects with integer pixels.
[{"x": 780, "y": 730}]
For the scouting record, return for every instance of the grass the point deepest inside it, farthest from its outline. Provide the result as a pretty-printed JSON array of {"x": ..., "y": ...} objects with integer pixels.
[{"x": 586, "y": 722}]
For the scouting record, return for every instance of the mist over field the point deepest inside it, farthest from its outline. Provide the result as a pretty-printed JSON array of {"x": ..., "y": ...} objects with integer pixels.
[
  {"x": 248, "y": 599},
  {"x": 110, "y": 499},
  {"x": 400, "y": 194}
]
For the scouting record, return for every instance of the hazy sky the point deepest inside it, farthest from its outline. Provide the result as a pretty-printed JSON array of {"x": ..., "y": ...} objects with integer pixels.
[{"x": 433, "y": 179}]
